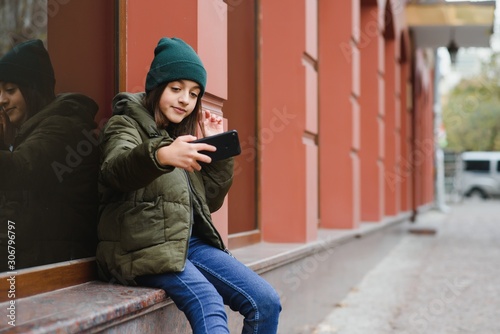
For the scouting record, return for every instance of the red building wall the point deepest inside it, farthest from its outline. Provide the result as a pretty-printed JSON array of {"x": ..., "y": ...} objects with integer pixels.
[{"x": 331, "y": 110}]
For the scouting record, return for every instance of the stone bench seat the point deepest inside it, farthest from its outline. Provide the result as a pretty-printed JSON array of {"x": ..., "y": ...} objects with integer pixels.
[{"x": 326, "y": 269}]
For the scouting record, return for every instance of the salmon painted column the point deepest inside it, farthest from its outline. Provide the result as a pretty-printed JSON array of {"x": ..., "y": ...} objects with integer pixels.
[
  {"x": 423, "y": 144},
  {"x": 418, "y": 84},
  {"x": 202, "y": 24},
  {"x": 406, "y": 163},
  {"x": 372, "y": 112},
  {"x": 423, "y": 149},
  {"x": 393, "y": 178},
  {"x": 281, "y": 121},
  {"x": 310, "y": 137},
  {"x": 212, "y": 48},
  {"x": 339, "y": 137},
  {"x": 428, "y": 144}
]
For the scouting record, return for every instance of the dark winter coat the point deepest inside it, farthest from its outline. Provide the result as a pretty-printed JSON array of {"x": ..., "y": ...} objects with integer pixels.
[
  {"x": 147, "y": 210},
  {"x": 48, "y": 185}
]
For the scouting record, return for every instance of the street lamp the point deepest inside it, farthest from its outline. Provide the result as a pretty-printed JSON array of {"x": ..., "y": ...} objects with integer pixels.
[{"x": 453, "y": 47}]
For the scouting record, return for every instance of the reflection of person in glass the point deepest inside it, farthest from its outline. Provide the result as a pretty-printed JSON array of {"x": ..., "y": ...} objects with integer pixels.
[{"x": 48, "y": 163}]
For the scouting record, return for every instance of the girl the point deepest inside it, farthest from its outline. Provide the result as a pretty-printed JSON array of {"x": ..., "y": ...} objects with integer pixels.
[{"x": 157, "y": 193}]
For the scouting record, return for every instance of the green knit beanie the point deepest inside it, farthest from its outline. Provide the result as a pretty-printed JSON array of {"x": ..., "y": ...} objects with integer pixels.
[
  {"x": 175, "y": 60},
  {"x": 28, "y": 64}
]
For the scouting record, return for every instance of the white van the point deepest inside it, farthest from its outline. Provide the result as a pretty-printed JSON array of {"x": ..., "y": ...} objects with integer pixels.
[{"x": 480, "y": 174}]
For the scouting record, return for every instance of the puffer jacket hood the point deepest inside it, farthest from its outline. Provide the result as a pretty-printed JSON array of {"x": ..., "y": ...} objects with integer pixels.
[
  {"x": 130, "y": 104},
  {"x": 121, "y": 102}
]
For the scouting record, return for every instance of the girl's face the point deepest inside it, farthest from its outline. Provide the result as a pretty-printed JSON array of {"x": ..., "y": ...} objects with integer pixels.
[
  {"x": 178, "y": 100},
  {"x": 12, "y": 101}
]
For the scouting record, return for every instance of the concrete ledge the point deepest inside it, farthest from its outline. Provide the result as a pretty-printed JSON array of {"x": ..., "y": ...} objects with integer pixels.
[{"x": 303, "y": 274}]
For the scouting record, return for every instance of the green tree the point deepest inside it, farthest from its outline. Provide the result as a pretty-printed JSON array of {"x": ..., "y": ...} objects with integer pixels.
[{"x": 471, "y": 114}]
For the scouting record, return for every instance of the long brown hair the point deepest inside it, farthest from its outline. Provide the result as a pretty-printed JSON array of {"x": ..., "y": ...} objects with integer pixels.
[
  {"x": 36, "y": 99},
  {"x": 188, "y": 126}
]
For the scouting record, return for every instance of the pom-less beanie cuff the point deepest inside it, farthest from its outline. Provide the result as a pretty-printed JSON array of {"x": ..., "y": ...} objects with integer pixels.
[
  {"x": 28, "y": 64},
  {"x": 175, "y": 60}
]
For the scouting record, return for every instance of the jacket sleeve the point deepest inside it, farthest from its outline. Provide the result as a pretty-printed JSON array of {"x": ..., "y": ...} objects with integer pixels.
[
  {"x": 127, "y": 162},
  {"x": 217, "y": 178}
]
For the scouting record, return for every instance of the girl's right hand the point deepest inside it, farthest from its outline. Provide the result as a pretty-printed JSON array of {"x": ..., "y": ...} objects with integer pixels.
[{"x": 184, "y": 154}]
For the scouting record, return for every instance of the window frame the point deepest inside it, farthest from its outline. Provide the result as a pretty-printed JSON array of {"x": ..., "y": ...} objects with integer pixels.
[{"x": 32, "y": 281}]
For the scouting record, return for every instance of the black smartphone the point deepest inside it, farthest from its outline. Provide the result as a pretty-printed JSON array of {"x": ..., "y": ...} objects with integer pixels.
[{"x": 227, "y": 143}]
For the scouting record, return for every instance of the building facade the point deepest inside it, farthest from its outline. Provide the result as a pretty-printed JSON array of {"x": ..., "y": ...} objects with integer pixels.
[{"x": 333, "y": 105}]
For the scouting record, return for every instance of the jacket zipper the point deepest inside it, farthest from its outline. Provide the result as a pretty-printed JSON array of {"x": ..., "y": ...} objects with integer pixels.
[
  {"x": 191, "y": 195},
  {"x": 191, "y": 219}
]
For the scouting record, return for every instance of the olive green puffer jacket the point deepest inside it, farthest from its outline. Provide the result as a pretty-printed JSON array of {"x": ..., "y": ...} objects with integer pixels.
[{"x": 146, "y": 210}]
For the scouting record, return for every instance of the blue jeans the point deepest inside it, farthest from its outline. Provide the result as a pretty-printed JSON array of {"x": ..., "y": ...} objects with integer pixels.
[{"x": 211, "y": 279}]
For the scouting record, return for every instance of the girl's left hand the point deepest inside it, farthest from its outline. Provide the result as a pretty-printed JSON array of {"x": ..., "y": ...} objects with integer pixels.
[
  {"x": 7, "y": 129},
  {"x": 212, "y": 123}
]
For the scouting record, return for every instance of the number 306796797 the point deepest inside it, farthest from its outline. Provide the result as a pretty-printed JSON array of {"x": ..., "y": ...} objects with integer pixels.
[{"x": 11, "y": 249}]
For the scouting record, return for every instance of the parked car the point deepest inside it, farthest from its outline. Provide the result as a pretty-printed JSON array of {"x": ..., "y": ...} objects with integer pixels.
[{"x": 480, "y": 175}]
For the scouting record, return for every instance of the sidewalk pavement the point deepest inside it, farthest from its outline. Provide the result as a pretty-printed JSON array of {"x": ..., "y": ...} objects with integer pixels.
[{"x": 444, "y": 283}]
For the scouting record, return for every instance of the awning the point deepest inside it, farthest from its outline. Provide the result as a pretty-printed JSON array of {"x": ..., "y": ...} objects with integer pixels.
[{"x": 469, "y": 24}]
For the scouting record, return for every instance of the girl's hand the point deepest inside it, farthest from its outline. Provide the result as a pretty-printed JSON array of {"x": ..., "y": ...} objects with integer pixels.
[
  {"x": 7, "y": 129},
  {"x": 184, "y": 154},
  {"x": 212, "y": 123}
]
